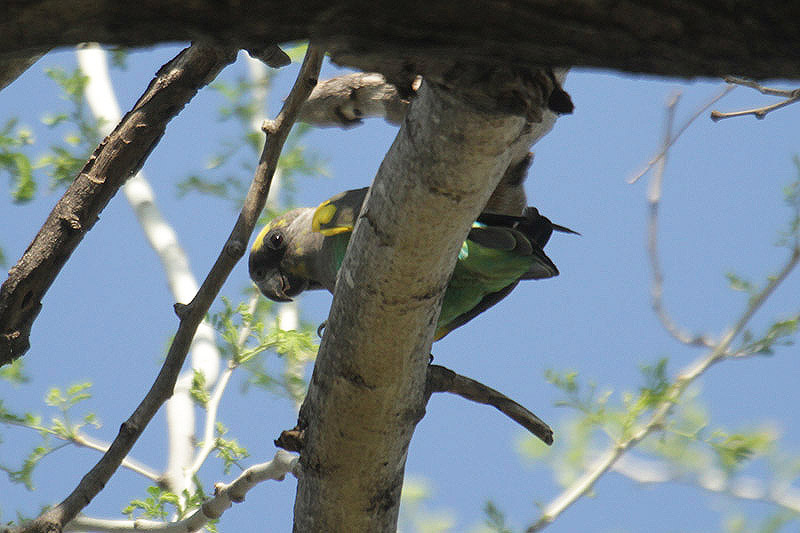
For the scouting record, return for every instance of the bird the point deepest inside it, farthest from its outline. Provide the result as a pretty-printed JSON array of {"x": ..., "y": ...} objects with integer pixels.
[{"x": 303, "y": 249}]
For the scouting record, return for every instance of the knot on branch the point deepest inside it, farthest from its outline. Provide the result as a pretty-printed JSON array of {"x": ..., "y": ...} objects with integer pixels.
[{"x": 501, "y": 88}]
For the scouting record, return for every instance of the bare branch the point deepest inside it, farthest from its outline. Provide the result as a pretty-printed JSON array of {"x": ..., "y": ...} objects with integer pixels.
[
  {"x": 121, "y": 154},
  {"x": 128, "y": 462},
  {"x": 192, "y": 314},
  {"x": 653, "y": 201},
  {"x": 441, "y": 379},
  {"x": 346, "y": 100},
  {"x": 790, "y": 97},
  {"x": 656, "y": 158},
  {"x": 224, "y": 496}
]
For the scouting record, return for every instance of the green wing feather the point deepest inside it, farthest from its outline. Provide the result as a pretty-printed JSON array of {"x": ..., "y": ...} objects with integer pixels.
[{"x": 499, "y": 251}]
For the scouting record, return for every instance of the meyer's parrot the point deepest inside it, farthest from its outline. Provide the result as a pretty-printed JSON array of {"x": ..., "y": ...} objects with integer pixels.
[{"x": 304, "y": 248}]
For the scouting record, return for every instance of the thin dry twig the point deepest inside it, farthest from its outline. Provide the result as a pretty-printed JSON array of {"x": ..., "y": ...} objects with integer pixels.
[
  {"x": 192, "y": 314},
  {"x": 653, "y": 201},
  {"x": 681, "y": 130},
  {"x": 790, "y": 97},
  {"x": 441, "y": 379}
]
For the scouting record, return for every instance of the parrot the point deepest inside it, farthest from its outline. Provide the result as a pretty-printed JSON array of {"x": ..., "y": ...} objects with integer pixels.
[{"x": 303, "y": 249}]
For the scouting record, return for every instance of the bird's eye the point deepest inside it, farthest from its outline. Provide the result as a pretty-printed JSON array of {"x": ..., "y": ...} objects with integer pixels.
[{"x": 275, "y": 241}]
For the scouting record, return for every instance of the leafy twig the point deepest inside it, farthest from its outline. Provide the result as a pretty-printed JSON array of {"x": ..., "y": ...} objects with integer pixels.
[
  {"x": 224, "y": 496},
  {"x": 714, "y": 480},
  {"x": 607, "y": 459}
]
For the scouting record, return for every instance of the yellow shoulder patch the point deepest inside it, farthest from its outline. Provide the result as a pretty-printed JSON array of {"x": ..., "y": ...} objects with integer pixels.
[
  {"x": 323, "y": 216},
  {"x": 330, "y": 232}
]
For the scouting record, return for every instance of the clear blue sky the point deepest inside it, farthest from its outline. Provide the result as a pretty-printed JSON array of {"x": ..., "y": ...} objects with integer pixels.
[{"x": 108, "y": 316}]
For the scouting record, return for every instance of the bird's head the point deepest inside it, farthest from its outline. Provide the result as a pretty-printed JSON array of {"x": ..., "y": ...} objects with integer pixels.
[{"x": 277, "y": 263}]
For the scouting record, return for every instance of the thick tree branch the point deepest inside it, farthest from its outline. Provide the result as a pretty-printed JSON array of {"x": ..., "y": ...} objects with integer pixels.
[
  {"x": 367, "y": 390},
  {"x": 192, "y": 314},
  {"x": 346, "y": 100},
  {"x": 709, "y": 38},
  {"x": 119, "y": 156},
  {"x": 13, "y": 66}
]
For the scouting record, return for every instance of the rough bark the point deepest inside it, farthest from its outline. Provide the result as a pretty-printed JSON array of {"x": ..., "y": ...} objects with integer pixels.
[
  {"x": 704, "y": 38},
  {"x": 118, "y": 157},
  {"x": 367, "y": 390}
]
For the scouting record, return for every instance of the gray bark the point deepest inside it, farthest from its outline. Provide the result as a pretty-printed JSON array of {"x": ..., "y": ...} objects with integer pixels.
[{"x": 367, "y": 390}]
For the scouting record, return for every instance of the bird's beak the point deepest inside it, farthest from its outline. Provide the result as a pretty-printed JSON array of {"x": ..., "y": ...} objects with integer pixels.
[
  {"x": 280, "y": 287},
  {"x": 273, "y": 287}
]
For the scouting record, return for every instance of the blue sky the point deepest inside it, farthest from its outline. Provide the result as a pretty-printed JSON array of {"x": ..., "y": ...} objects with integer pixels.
[{"x": 108, "y": 317}]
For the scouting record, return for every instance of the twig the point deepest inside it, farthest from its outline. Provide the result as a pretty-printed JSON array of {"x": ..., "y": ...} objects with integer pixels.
[
  {"x": 653, "y": 201},
  {"x": 680, "y": 132},
  {"x": 689, "y": 374},
  {"x": 713, "y": 480},
  {"x": 205, "y": 357},
  {"x": 192, "y": 314},
  {"x": 119, "y": 156},
  {"x": 441, "y": 379},
  {"x": 224, "y": 496},
  {"x": 216, "y": 397},
  {"x": 80, "y": 439},
  {"x": 130, "y": 463},
  {"x": 790, "y": 97}
]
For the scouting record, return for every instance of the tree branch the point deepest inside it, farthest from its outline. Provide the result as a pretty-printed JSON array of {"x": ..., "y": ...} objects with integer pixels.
[
  {"x": 121, "y": 154},
  {"x": 720, "y": 352},
  {"x": 13, "y": 66},
  {"x": 441, "y": 379},
  {"x": 713, "y": 480},
  {"x": 367, "y": 390},
  {"x": 660, "y": 37},
  {"x": 224, "y": 496},
  {"x": 346, "y": 100},
  {"x": 653, "y": 203},
  {"x": 205, "y": 357},
  {"x": 789, "y": 97},
  {"x": 192, "y": 314}
]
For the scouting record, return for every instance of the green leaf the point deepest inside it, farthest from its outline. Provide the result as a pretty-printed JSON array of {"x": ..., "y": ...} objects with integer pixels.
[
  {"x": 495, "y": 519},
  {"x": 198, "y": 390},
  {"x": 740, "y": 284},
  {"x": 734, "y": 449},
  {"x": 14, "y": 373}
]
